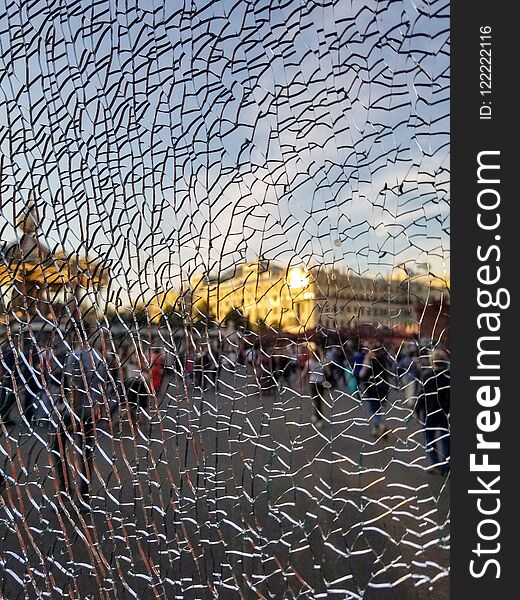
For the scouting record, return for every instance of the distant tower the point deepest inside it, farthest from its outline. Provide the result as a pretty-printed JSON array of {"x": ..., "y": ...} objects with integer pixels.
[
  {"x": 21, "y": 258},
  {"x": 41, "y": 281},
  {"x": 28, "y": 223},
  {"x": 29, "y": 218}
]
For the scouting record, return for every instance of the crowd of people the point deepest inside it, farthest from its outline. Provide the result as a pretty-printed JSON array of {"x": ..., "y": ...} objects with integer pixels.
[
  {"x": 72, "y": 389},
  {"x": 415, "y": 372}
]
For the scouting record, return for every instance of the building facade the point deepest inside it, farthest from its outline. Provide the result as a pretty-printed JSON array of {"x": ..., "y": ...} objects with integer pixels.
[
  {"x": 37, "y": 282},
  {"x": 298, "y": 300}
]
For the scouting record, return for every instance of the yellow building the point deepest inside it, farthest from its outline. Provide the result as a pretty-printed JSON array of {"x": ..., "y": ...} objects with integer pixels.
[
  {"x": 37, "y": 281},
  {"x": 262, "y": 292},
  {"x": 297, "y": 300}
]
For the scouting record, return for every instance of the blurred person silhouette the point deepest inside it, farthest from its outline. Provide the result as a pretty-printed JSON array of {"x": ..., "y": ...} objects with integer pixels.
[
  {"x": 409, "y": 375},
  {"x": 373, "y": 385},
  {"x": 433, "y": 408},
  {"x": 198, "y": 366},
  {"x": 138, "y": 393},
  {"x": 7, "y": 382},
  {"x": 347, "y": 366},
  {"x": 157, "y": 368},
  {"x": 7, "y": 389},
  {"x": 264, "y": 371},
  {"x": 85, "y": 380},
  {"x": 211, "y": 365},
  {"x": 32, "y": 372},
  {"x": 315, "y": 372}
]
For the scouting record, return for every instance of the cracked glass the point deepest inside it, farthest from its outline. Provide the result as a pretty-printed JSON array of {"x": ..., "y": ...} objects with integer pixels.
[{"x": 224, "y": 299}]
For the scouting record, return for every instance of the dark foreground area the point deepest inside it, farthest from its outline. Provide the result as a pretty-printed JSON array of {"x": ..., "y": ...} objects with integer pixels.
[{"x": 230, "y": 495}]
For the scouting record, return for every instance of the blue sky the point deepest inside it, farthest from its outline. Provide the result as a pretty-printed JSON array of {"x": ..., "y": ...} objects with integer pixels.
[{"x": 182, "y": 137}]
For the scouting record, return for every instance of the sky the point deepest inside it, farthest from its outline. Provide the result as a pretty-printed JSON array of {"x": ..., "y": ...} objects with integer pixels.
[{"x": 175, "y": 138}]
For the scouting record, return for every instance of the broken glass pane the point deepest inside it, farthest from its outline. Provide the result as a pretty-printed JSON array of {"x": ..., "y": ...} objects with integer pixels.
[{"x": 224, "y": 283}]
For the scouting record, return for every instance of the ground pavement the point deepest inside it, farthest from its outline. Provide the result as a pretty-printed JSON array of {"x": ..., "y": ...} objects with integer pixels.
[{"x": 230, "y": 494}]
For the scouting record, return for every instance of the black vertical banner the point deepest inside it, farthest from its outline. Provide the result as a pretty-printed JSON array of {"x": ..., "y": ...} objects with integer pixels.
[{"x": 485, "y": 242}]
